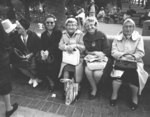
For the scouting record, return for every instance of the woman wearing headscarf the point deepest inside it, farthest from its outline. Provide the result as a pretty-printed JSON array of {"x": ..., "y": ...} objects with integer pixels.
[
  {"x": 128, "y": 42},
  {"x": 49, "y": 40},
  {"x": 72, "y": 39},
  {"x": 96, "y": 44},
  {"x": 26, "y": 45},
  {"x": 5, "y": 71}
]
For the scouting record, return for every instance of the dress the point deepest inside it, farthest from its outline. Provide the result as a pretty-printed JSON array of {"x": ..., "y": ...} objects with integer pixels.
[{"x": 5, "y": 72}]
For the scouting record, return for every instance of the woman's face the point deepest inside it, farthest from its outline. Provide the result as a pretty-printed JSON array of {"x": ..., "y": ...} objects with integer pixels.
[
  {"x": 128, "y": 29},
  {"x": 20, "y": 29},
  {"x": 50, "y": 23},
  {"x": 71, "y": 27},
  {"x": 90, "y": 27}
]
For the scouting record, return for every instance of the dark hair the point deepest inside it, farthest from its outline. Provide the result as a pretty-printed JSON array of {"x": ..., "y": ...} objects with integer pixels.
[
  {"x": 50, "y": 16},
  {"x": 24, "y": 23}
]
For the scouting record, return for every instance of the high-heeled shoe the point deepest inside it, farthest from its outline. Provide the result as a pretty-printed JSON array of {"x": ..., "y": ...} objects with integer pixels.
[
  {"x": 91, "y": 96},
  {"x": 133, "y": 106},
  {"x": 113, "y": 102},
  {"x": 9, "y": 113}
]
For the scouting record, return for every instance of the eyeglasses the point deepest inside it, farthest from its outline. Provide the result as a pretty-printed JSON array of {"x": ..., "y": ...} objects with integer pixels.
[{"x": 50, "y": 23}]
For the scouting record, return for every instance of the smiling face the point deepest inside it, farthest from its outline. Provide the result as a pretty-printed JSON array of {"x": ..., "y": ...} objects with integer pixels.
[
  {"x": 71, "y": 27},
  {"x": 90, "y": 27},
  {"x": 50, "y": 23},
  {"x": 128, "y": 29}
]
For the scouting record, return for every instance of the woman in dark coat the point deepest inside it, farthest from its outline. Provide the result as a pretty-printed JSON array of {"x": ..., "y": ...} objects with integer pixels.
[
  {"x": 26, "y": 45},
  {"x": 5, "y": 73},
  {"x": 96, "y": 44},
  {"x": 49, "y": 40}
]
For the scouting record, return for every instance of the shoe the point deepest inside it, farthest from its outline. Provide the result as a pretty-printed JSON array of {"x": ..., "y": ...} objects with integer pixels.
[
  {"x": 30, "y": 81},
  {"x": 133, "y": 106},
  {"x": 9, "y": 113},
  {"x": 113, "y": 102},
  {"x": 91, "y": 97},
  {"x": 35, "y": 83}
]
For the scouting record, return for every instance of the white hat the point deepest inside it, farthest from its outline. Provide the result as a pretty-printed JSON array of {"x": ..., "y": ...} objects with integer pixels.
[
  {"x": 8, "y": 26},
  {"x": 71, "y": 20}
]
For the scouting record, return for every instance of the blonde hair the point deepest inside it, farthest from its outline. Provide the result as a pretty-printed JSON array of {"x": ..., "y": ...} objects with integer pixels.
[{"x": 91, "y": 19}]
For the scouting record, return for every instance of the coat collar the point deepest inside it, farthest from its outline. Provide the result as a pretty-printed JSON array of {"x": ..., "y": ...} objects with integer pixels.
[
  {"x": 135, "y": 36},
  {"x": 75, "y": 33}
]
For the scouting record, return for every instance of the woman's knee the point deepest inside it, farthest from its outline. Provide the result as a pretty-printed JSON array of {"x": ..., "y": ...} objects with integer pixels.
[
  {"x": 117, "y": 82},
  {"x": 98, "y": 73}
]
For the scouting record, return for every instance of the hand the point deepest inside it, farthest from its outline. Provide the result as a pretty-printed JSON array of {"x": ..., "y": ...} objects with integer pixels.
[
  {"x": 29, "y": 55},
  {"x": 69, "y": 49},
  {"x": 130, "y": 57},
  {"x": 98, "y": 53}
]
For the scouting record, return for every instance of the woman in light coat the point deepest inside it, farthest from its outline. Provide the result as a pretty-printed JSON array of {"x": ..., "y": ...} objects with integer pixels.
[
  {"x": 72, "y": 38},
  {"x": 131, "y": 42}
]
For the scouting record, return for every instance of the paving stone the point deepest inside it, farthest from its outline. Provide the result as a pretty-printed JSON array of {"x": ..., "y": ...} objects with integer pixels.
[
  {"x": 69, "y": 111},
  {"x": 78, "y": 112},
  {"x": 46, "y": 106},
  {"x": 54, "y": 108},
  {"x": 87, "y": 113},
  {"x": 62, "y": 109},
  {"x": 36, "y": 104}
]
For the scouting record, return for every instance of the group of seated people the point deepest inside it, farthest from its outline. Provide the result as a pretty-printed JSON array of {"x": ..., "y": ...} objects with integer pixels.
[{"x": 40, "y": 58}]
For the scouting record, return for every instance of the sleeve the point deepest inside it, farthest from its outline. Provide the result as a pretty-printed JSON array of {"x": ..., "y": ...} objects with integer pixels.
[
  {"x": 80, "y": 43},
  {"x": 37, "y": 45},
  {"x": 115, "y": 52},
  {"x": 106, "y": 46},
  {"x": 57, "y": 37},
  {"x": 62, "y": 44},
  {"x": 139, "y": 53}
]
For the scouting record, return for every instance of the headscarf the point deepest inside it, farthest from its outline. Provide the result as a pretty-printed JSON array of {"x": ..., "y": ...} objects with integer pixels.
[
  {"x": 129, "y": 20},
  {"x": 73, "y": 20}
]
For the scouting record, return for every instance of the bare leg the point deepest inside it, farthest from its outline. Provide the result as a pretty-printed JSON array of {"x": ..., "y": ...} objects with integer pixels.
[
  {"x": 134, "y": 90},
  {"x": 97, "y": 75},
  {"x": 79, "y": 73},
  {"x": 115, "y": 86},
  {"x": 7, "y": 102},
  {"x": 89, "y": 75}
]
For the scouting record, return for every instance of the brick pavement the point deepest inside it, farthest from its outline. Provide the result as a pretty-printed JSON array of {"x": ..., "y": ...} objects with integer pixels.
[{"x": 41, "y": 100}]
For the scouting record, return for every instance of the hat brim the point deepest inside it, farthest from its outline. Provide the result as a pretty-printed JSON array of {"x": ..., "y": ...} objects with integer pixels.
[{"x": 11, "y": 28}]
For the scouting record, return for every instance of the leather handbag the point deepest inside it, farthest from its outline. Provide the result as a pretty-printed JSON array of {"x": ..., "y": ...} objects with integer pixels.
[
  {"x": 71, "y": 58},
  {"x": 125, "y": 65}
]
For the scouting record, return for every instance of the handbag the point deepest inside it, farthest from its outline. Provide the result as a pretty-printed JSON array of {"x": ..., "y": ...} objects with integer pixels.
[
  {"x": 71, "y": 58},
  {"x": 71, "y": 90},
  {"x": 125, "y": 65},
  {"x": 96, "y": 63}
]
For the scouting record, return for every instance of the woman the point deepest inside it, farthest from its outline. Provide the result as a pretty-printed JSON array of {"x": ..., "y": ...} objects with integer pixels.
[
  {"x": 128, "y": 42},
  {"x": 5, "y": 73},
  {"x": 50, "y": 39},
  {"x": 72, "y": 38},
  {"x": 96, "y": 44},
  {"x": 26, "y": 45}
]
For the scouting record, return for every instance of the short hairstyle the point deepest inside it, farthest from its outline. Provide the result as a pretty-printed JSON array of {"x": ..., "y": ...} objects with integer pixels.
[
  {"x": 91, "y": 19},
  {"x": 24, "y": 23},
  {"x": 50, "y": 16}
]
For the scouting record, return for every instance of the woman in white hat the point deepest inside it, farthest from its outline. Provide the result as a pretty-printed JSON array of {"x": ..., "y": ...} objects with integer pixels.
[
  {"x": 128, "y": 45},
  {"x": 5, "y": 73},
  {"x": 72, "y": 38}
]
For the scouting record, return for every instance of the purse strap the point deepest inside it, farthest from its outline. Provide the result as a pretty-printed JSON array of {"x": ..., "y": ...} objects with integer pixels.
[{"x": 128, "y": 54}]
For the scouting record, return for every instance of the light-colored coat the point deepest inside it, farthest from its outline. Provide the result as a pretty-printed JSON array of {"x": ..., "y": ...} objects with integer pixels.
[
  {"x": 135, "y": 46},
  {"x": 66, "y": 40}
]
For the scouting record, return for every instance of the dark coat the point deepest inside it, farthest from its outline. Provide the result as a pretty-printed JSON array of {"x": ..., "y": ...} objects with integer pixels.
[
  {"x": 96, "y": 42},
  {"x": 50, "y": 43},
  {"x": 5, "y": 86},
  {"x": 27, "y": 67}
]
